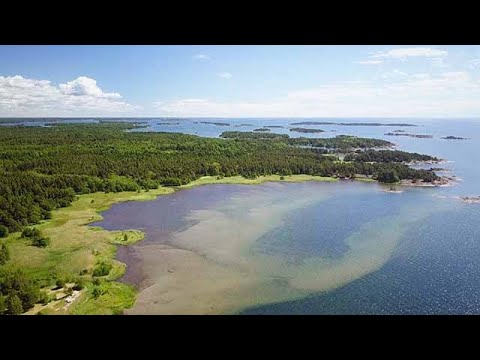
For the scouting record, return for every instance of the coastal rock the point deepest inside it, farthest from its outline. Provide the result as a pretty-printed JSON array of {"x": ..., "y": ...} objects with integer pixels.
[{"x": 470, "y": 199}]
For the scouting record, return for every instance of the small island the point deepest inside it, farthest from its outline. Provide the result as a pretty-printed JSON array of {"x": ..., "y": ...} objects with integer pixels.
[
  {"x": 308, "y": 131},
  {"x": 274, "y": 126},
  {"x": 262, "y": 129},
  {"x": 419, "y": 136},
  {"x": 168, "y": 123},
  {"x": 214, "y": 123},
  {"x": 470, "y": 199},
  {"x": 450, "y": 137},
  {"x": 241, "y": 125}
]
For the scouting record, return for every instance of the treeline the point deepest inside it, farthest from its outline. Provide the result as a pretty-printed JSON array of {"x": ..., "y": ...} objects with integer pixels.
[
  {"x": 387, "y": 156},
  {"x": 44, "y": 168},
  {"x": 18, "y": 293}
]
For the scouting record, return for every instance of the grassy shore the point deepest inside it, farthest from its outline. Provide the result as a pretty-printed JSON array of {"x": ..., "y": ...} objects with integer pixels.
[
  {"x": 76, "y": 248},
  {"x": 206, "y": 180}
]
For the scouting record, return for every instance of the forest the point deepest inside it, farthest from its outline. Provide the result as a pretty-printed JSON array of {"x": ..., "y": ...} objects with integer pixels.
[
  {"x": 43, "y": 168},
  {"x": 387, "y": 156}
]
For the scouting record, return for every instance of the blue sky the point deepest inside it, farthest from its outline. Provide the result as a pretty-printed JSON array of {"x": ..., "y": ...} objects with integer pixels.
[{"x": 240, "y": 81}]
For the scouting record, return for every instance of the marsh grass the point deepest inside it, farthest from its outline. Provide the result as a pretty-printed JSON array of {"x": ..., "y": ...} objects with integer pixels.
[{"x": 76, "y": 248}]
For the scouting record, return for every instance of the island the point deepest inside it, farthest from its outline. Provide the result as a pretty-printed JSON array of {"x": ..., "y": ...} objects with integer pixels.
[
  {"x": 470, "y": 199},
  {"x": 339, "y": 142},
  {"x": 349, "y": 123},
  {"x": 168, "y": 123},
  {"x": 304, "y": 130},
  {"x": 262, "y": 129},
  {"x": 214, "y": 123},
  {"x": 420, "y": 136},
  {"x": 274, "y": 126},
  {"x": 450, "y": 137},
  {"x": 55, "y": 181},
  {"x": 241, "y": 125}
]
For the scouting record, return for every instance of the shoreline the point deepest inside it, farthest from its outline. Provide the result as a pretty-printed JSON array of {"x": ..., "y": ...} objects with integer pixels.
[{"x": 93, "y": 244}]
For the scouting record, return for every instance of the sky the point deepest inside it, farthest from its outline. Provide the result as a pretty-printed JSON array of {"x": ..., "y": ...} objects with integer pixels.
[{"x": 240, "y": 81}]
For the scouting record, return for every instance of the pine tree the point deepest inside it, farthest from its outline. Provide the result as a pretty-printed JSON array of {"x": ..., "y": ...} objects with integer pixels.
[
  {"x": 4, "y": 254},
  {"x": 3, "y": 231}
]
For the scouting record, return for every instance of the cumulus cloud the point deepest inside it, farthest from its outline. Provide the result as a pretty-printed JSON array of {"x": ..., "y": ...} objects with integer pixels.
[
  {"x": 86, "y": 86},
  {"x": 201, "y": 57},
  {"x": 225, "y": 75},
  {"x": 21, "y": 96},
  {"x": 404, "y": 53},
  {"x": 450, "y": 94}
]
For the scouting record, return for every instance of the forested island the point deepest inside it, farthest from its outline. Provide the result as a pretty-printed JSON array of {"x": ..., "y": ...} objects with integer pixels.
[
  {"x": 340, "y": 142},
  {"x": 450, "y": 137},
  {"x": 308, "y": 131},
  {"x": 349, "y": 124},
  {"x": 262, "y": 129},
  {"x": 274, "y": 126},
  {"x": 75, "y": 170},
  {"x": 420, "y": 136},
  {"x": 470, "y": 199},
  {"x": 214, "y": 123}
]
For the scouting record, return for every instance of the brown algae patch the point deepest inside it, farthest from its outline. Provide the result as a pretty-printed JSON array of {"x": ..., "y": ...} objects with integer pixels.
[{"x": 208, "y": 268}]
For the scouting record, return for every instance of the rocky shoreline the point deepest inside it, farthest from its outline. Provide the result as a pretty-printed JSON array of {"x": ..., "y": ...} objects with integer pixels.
[{"x": 443, "y": 181}]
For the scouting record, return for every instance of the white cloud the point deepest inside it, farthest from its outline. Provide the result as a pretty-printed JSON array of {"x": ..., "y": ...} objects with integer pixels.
[
  {"x": 450, "y": 94},
  {"x": 85, "y": 86},
  {"x": 21, "y": 96},
  {"x": 404, "y": 53},
  {"x": 438, "y": 62},
  {"x": 370, "y": 62},
  {"x": 201, "y": 57},
  {"x": 225, "y": 75}
]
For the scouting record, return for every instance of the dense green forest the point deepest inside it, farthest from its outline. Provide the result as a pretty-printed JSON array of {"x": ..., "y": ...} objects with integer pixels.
[
  {"x": 387, "y": 156},
  {"x": 43, "y": 168},
  {"x": 305, "y": 130}
]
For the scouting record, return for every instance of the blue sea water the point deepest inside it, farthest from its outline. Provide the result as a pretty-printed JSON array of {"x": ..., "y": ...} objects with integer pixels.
[{"x": 435, "y": 264}]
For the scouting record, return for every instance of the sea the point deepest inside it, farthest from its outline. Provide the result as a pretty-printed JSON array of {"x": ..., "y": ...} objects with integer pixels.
[{"x": 345, "y": 247}]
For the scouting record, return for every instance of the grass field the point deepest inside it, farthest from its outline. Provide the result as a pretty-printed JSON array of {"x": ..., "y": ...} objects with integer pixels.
[{"x": 206, "y": 180}]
